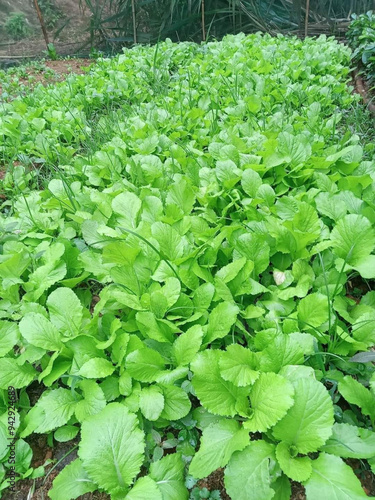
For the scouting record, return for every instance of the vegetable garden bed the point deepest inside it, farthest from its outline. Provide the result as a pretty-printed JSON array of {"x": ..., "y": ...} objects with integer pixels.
[{"x": 182, "y": 228}]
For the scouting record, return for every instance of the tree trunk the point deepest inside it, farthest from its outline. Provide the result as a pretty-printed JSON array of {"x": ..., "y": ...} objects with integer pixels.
[{"x": 41, "y": 20}]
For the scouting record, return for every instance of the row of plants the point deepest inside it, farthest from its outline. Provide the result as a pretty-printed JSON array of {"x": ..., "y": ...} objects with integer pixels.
[
  {"x": 182, "y": 228},
  {"x": 361, "y": 37}
]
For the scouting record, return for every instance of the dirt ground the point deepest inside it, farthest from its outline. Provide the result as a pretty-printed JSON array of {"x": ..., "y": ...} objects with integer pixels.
[{"x": 73, "y": 36}]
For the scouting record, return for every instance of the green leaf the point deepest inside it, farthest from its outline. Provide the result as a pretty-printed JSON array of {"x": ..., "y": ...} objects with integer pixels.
[
  {"x": 66, "y": 433},
  {"x": 308, "y": 424},
  {"x": 176, "y": 403},
  {"x": 349, "y": 441},
  {"x": 297, "y": 468},
  {"x": 65, "y": 311},
  {"x": 186, "y": 346},
  {"x": 271, "y": 397},
  {"x": 313, "y": 310},
  {"x": 353, "y": 239},
  {"x": 71, "y": 483},
  {"x": 251, "y": 182},
  {"x": 170, "y": 242},
  {"x": 9, "y": 336},
  {"x": 355, "y": 393},
  {"x": 247, "y": 476},
  {"x": 332, "y": 478},
  {"x": 118, "y": 442},
  {"x": 15, "y": 375},
  {"x": 221, "y": 319},
  {"x": 144, "y": 487},
  {"x": 96, "y": 368},
  {"x": 169, "y": 476},
  {"x": 38, "y": 331},
  {"x": 283, "y": 490},
  {"x": 144, "y": 364},
  {"x": 286, "y": 350},
  {"x": 216, "y": 394},
  {"x": 127, "y": 205},
  {"x": 57, "y": 406},
  {"x": 151, "y": 402},
  {"x": 94, "y": 400},
  {"x": 239, "y": 366},
  {"x": 218, "y": 443}
]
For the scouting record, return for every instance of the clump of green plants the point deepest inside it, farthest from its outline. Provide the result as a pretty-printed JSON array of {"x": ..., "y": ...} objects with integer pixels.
[
  {"x": 183, "y": 228},
  {"x": 52, "y": 14},
  {"x": 361, "y": 36},
  {"x": 16, "y": 26}
]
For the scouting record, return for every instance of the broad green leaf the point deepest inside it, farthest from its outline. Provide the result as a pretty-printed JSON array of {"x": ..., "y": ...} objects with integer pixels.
[
  {"x": 216, "y": 394},
  {"x": 218, "y": 443},
  {"x": 65, "y": 433},
  {"x": 353, "y": 238},
  {"x": 186, "y": 346},
  {"x": 251, "y": 182},
  {"x": 94, "y": 400},
  {"x": 221, "y": 319},
  {"x": 270, "y": 398},
  {"x": 176, "y": 403},
  {"x": 313, "y": 310},
  {"x": 308, "y": 423},
  {"x": 118, "y": 442},
  {"x": 71, "y": 482},
  {"x": 144, "y": 364},
  {"x": 169, "y": 476},
  {"x": 332, "y": 478},
  {"x": 247, "y": 476},
  {"x": 254, "y": 247},
  {"x": 239, "y": 365},
  {"x": 229, "y": 272},
  {"x": 170, "y": 242},
  {"x": 151, "y": 402},
  {"x": 57, "y": 407},
  {"x": 144, "y": 487},
  {"x": 127, "y": 205},
  {"x": 355, "y": 393},
  {"x": 286, "y": 350},
  {"x": 282, "y": 488},
  {"x": 15, "y": 375},
  {"x": 96, "y": 368},
  {"x": 65, "y": 311},
  {"x": 349, "y": 441},
  {"x": 297, "y": 468},
  {"x": 38, "y": 331},
  {"x": 9, "y": 336}
]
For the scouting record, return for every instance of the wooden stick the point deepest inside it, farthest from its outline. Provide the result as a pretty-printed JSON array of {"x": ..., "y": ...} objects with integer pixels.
[
  {"x": 41, "y": 20},
  {"x": 307, "y": 17},
  {"x": 203, "y": 23},
  {"x": 134, "y": 22}
]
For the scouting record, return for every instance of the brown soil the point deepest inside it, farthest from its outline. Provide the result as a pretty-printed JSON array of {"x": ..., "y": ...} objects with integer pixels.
[
  {"x": 71, "y": 38},
  {"x": 362, "y": 88},
  {"x": 60, "y": 69},
  {"x": 215, "y": 481}
]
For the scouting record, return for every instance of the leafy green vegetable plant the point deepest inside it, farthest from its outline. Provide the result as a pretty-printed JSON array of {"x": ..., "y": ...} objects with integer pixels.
[{"x": 181, "y": 230}]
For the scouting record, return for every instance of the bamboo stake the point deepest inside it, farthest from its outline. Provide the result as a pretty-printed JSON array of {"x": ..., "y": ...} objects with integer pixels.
[
  {"x": 307, "y": 17},
  {"x": 41, "y": 20},
  {"x": 134, "y": 22},
  {"x": 203, "y": 22}
]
